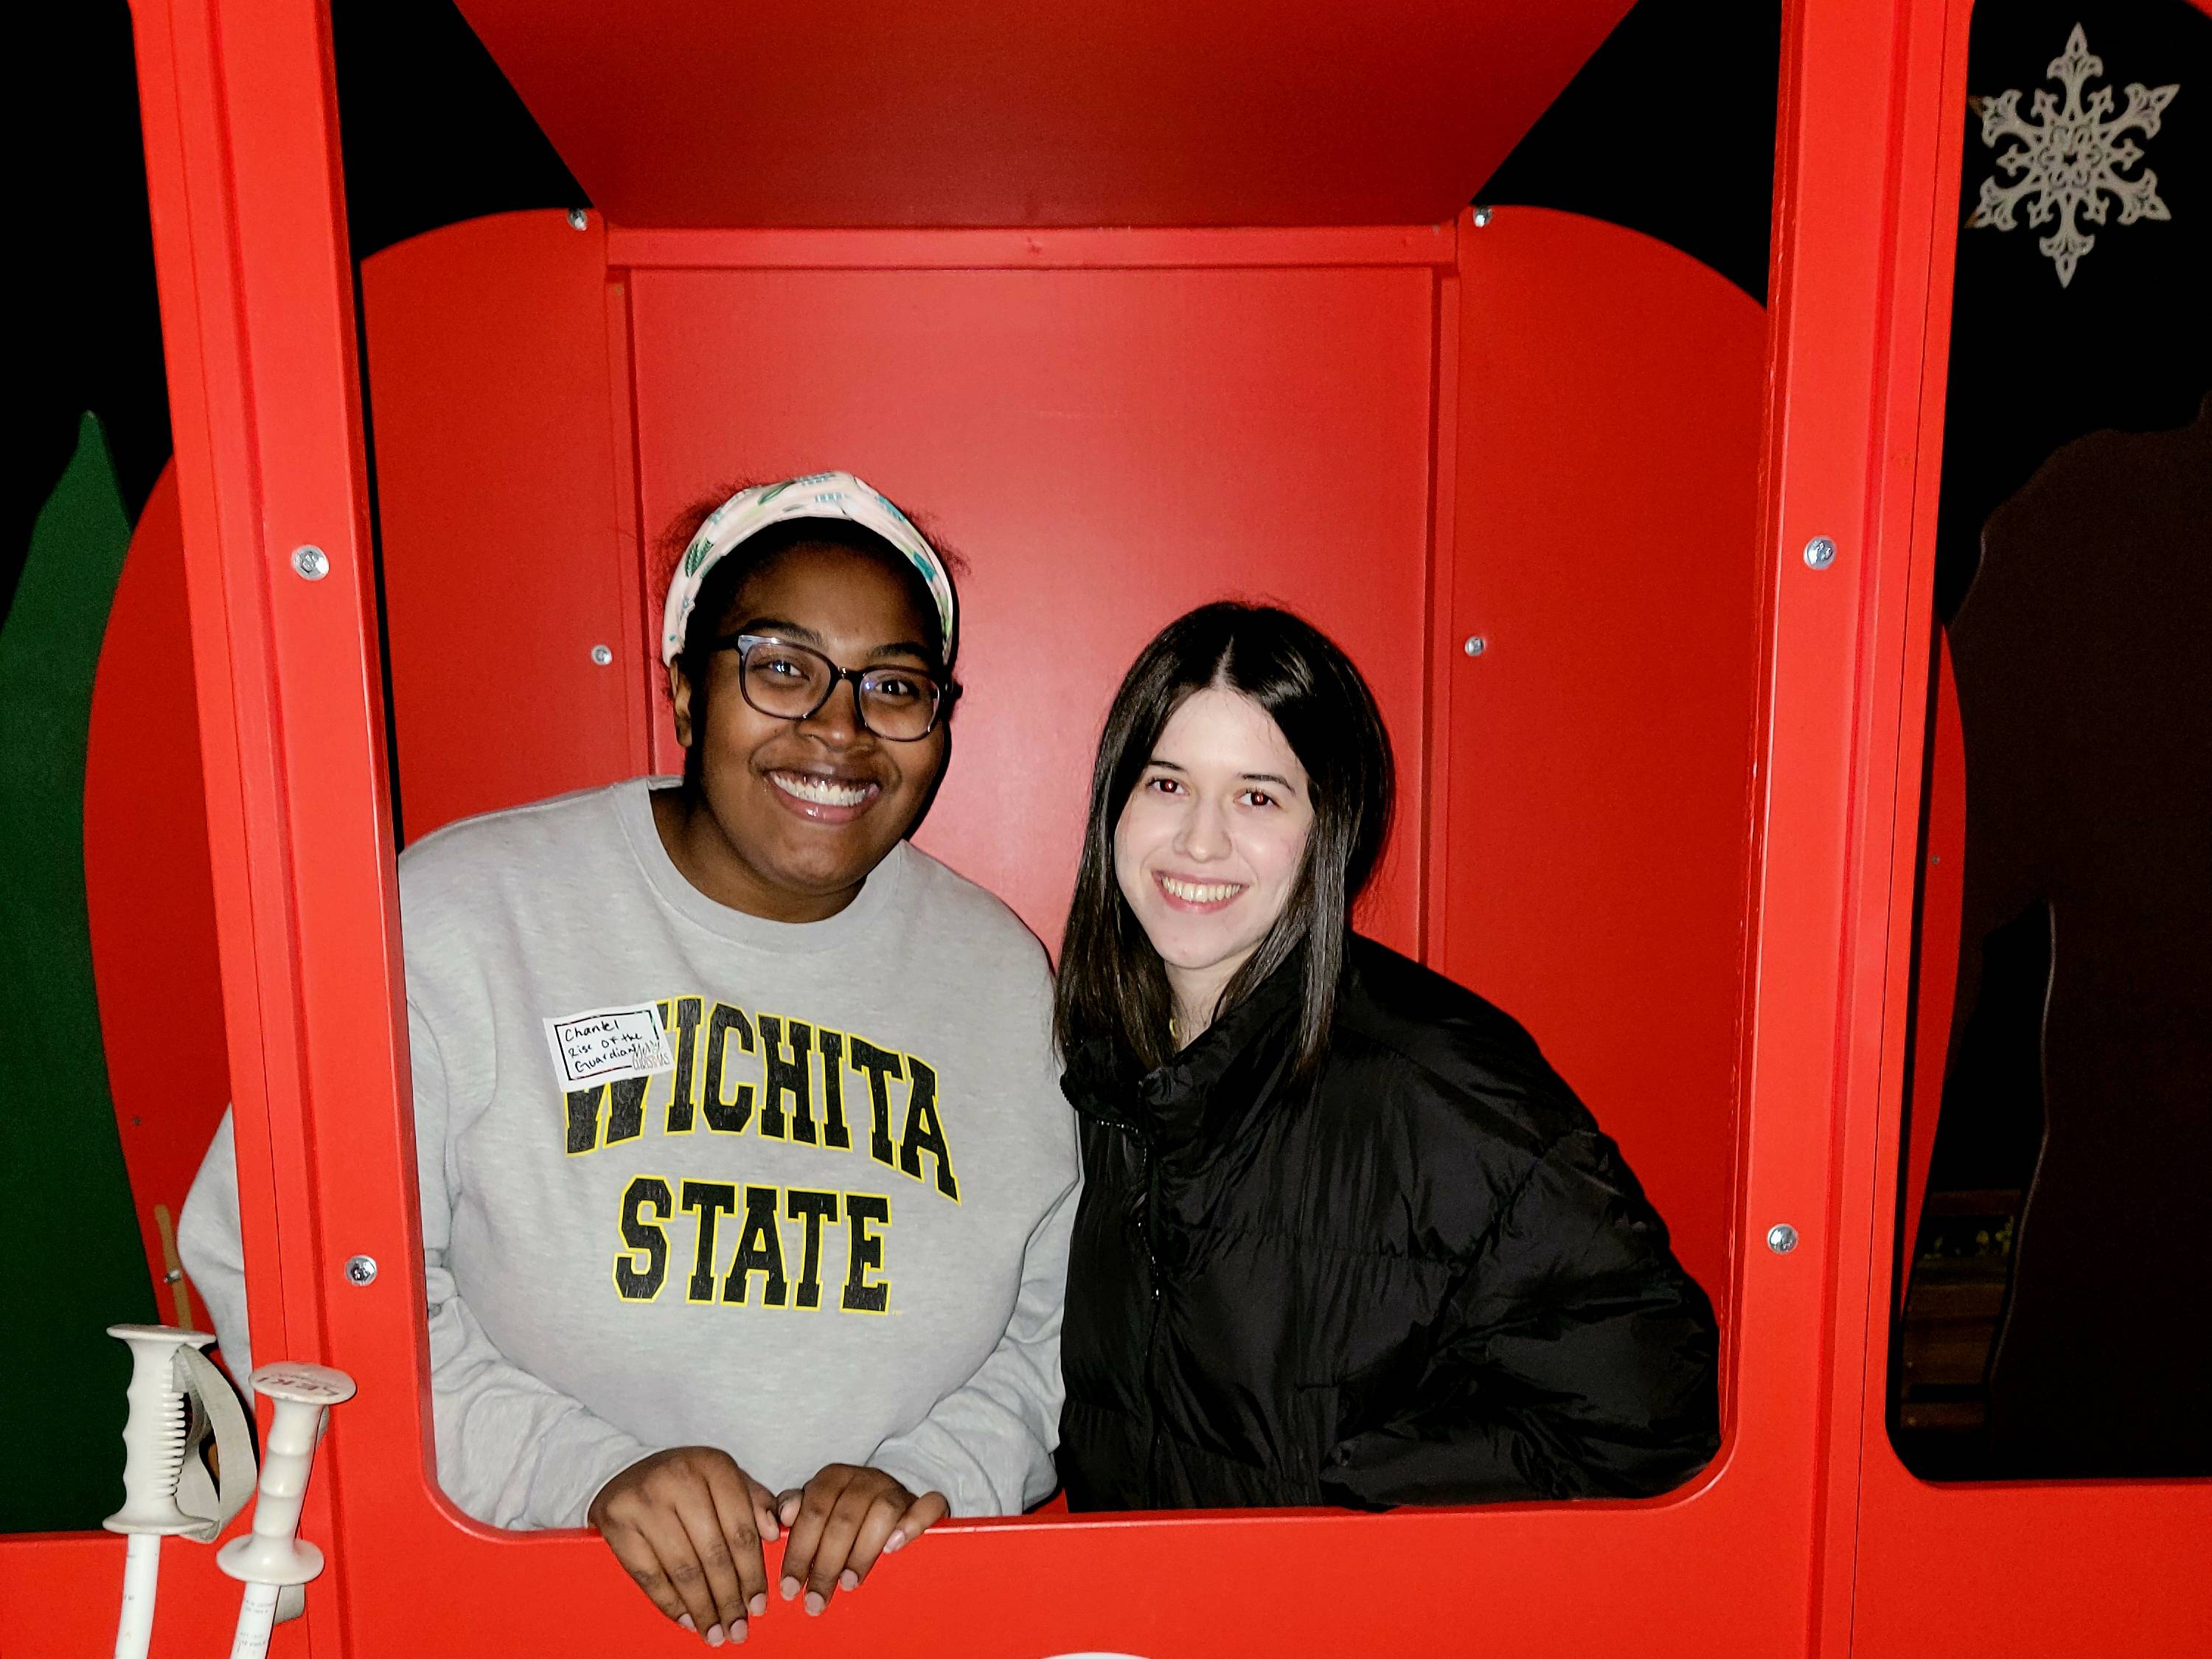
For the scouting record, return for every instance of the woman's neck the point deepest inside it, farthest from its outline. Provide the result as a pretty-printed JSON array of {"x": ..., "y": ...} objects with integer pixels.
[
  {"x": 704, "y": 856},
  {"x": 1197, "y": 994}
]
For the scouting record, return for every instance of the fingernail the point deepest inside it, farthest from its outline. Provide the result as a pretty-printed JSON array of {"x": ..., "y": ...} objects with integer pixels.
[
  {"x": 848, "y": 1579},
  {"x": 894, "y": 1542},
  {"x": 713, "y": 1636},
  {"x": 738, "y": 1631},
  {"x": 758, "y": 1605},
  {"x": 684, "y": 1619},
  {"x": 789, "y": 1586},
  {"x": 814, "y": 1603}
]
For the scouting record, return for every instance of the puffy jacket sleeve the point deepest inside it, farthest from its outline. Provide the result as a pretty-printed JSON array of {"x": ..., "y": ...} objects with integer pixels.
[{"x": 1574, "y": 1357}]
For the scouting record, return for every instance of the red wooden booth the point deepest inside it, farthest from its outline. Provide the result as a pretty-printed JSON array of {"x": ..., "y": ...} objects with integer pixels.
[{"x": 1136, "y": 305}]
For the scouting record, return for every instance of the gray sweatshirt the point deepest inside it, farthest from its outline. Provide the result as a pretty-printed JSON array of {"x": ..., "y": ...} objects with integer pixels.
[{"x": 693, "y": 1178}]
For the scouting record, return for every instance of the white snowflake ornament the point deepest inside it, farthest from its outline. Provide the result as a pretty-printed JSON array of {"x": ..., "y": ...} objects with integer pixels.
[{"x": 2070, "y": 157}]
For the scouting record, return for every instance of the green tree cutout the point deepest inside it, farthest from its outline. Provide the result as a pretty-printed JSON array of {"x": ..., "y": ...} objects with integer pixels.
[{"x": 70, "y": 1260}]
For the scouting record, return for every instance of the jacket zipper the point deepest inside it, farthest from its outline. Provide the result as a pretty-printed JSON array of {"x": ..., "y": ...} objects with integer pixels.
[
  {"x": 1153, "y": 1324},
  {"x": 1145, "y": 1225}
]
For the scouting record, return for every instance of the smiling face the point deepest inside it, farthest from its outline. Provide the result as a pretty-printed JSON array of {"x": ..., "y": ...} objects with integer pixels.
[
  {"x": 796, "y": 813},
  {"x": 1210, "y": 842}
]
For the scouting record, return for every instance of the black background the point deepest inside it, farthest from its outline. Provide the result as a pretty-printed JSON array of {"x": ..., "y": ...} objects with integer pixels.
[
  {"x": 2034, "y": 365},
  {"x": 2126, "y": 343}
]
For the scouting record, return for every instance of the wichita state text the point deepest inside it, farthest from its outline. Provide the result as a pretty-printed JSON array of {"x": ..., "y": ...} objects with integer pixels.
[{"x": 782, "y": 1080}]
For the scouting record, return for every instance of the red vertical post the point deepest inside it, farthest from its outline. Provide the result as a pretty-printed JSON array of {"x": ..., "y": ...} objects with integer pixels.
[
  {"x": 1857, "y": 193},
  {"x": 241, "y": 118}
]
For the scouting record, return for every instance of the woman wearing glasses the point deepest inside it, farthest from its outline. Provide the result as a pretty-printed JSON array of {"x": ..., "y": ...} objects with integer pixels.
[{"x": 745, "y": 1183}]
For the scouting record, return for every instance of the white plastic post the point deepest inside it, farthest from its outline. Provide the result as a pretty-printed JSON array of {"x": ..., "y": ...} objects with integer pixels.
[
  {"x": 142, "y": 1579},
  {"x": 154, "y": 1439},
  {"x": 273, "y": 1554},
  {"x": 154, "y": 1435}
]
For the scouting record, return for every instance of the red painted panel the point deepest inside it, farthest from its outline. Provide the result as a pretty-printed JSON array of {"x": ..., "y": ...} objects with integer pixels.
[
  {"x": 1107, "y": 448},
  {"x": 2030, "y": 1571},
  {"x": 60, "y": 1593},
  {"x": 1007, "y": 113},
  {"x": 148, "y": 890},
  {"x": 509, "y": 551},
  {"x": 1596, "y": 833}
]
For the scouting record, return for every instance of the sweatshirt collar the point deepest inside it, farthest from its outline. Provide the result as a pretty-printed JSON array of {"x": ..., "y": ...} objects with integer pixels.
[{"x": 632, "y": 801}]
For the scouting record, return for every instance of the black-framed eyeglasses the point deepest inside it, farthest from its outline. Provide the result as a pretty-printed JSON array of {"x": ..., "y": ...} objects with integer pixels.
[{"x": 789, "y": 682}]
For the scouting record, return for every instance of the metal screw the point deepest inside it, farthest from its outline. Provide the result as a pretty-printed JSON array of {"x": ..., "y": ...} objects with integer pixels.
[
  {"x": 1481, "y": 218},
  {"x": 1820, "y": 552},
  {"x": 602, "y": 655},
  {"x": 311, "y": 562},
  {"x": 1475, "y": 646},
  {"x": 361, "y": 1269},
  {"x": 577, "y": 220},
  {"x": 1782, "y": 1238}
]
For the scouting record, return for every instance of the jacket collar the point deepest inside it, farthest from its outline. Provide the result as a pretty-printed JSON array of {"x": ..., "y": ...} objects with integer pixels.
[{"x": 1103, "y": 1079}]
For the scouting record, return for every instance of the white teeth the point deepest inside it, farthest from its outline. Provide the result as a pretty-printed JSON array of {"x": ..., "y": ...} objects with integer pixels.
[
  {"x": 1195, "y": 892},
  {"x": 821, "y": 791}
]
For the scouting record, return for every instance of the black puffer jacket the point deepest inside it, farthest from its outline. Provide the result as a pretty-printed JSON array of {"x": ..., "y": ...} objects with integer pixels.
[{"x": 1422, "y": 1277}]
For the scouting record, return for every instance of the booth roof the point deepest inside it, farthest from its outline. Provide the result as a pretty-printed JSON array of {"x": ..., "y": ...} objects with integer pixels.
[{"x": 1021, "y": 113}]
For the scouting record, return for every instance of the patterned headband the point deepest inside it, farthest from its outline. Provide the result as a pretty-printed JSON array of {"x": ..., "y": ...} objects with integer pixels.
[{"x": 817, "y": 495}]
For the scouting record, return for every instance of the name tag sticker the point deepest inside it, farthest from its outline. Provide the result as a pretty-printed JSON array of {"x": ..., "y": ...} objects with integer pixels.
[{"x": 605, "y": 1045}]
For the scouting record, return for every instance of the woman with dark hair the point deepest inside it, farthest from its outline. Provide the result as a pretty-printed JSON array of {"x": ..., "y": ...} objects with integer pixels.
[
  {"x": 710, "y": 1075},
  {"x": 1345, "y": 1238}
]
